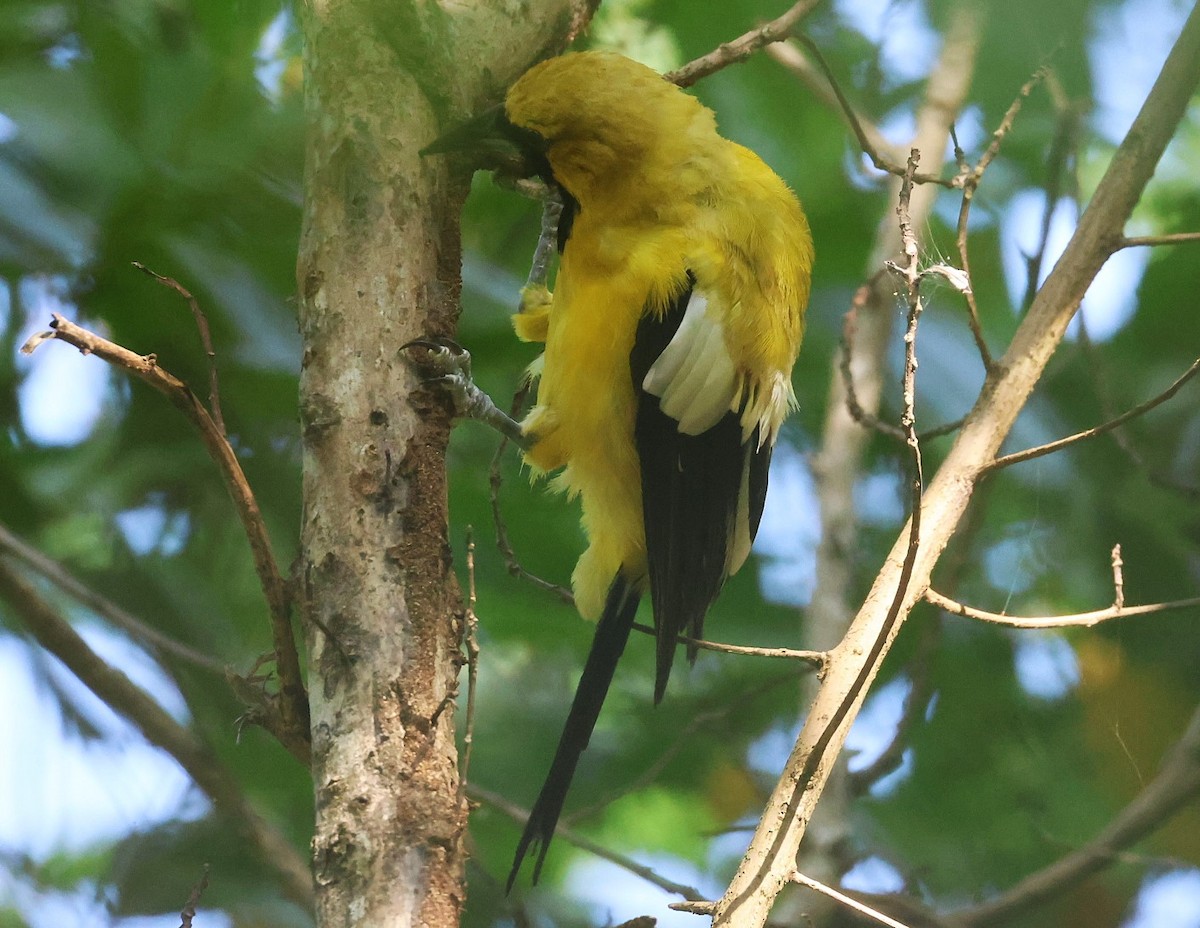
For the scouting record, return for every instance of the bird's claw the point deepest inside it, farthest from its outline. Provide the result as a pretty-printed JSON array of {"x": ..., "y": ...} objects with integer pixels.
[{"x": 447, "y": 366}]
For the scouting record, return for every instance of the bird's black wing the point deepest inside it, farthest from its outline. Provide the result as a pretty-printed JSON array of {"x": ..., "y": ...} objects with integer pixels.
[{"x": 695, "y": 488}]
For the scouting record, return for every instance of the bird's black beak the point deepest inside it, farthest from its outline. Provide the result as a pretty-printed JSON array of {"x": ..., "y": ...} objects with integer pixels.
[{"x": 492, "y": 143}]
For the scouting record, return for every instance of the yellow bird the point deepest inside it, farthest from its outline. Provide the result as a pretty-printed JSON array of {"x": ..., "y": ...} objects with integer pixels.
[{"x": 676, "y": 317}]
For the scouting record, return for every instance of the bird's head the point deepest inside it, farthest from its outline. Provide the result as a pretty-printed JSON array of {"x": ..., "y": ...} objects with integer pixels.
[{"x": 584, "y": 120}]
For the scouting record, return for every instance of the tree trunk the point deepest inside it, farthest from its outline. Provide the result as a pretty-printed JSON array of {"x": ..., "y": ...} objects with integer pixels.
[{"x": 379, "y": 265}]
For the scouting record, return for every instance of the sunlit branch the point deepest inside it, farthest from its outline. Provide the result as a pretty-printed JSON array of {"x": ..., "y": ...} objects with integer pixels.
[
  {"x": 1086, "y": 619},
  {"x": 1149, "y": 241},
  {"x": 847, "y": 901}
]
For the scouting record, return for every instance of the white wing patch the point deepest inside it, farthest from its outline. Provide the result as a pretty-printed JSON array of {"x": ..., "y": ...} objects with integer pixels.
[{"x": 694, "y": 377}]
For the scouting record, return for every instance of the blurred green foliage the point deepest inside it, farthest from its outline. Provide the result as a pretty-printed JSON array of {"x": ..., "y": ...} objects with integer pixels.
[{"x": 170, "y": 132}]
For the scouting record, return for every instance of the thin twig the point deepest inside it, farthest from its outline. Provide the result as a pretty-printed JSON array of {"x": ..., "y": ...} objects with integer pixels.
[
  {"x": 1030, "y": 453},
  {"x": 123, "y": 696},
  {"x": 877, "y": 158},
  {"x": 815, "y": 659},
  {"x": 105, "y": 608},
  {"x": 1149, "y": 241},
  {"x": 293, "y": 702},
  {"x": 916, "y": 701},
  {"x": 1175, "y": 785},
  {"x": 1059, "y": 163},
  {"x": 964, "y": 260},
  {"x": 788, "y": 55},
  {"x": 1118, "y": 570},
  {"x": 845, "y": 355},
  {"x": 1098, "y": 371},
  {"x": 521, "y": 816},
  {"x": 471, "y": 644},
  {"x": 743, "y": 46},
  {"x": 847, "y": 901},
  {"x": 495, "y": 482},
  {"x": 214, "y": 387},
  {"x": 539, "y": 267},
  {"x": 1006, "y": 124},
  {"x": 854, "y": 406},
  {"x": 971, "y": 178},
  {"x": 1086, "y": 619},
  {"x": 189, "y": 908}
]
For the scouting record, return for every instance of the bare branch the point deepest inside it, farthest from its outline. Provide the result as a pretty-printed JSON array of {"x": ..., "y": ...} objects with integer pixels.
[
  {"x": 55, "y": 634},
  {"x": 1060, "y": 164},
  {"x": 1176, "y": 784},
  {"x": 971, "y": 178},
  {"x": 877, "y": 158},
  {"x": 1086, "y": 619},
  {"x": 1154, "y": 474},
  {"x": 1030, "y": 453},
  {"x": 769, "y": 857},
  {"x": 847, "y": 901},
  {"x": 1118, "y": 569},
  {"x": 817, "y": 82},
  {"x": 845, "y": 357},
  {"x": 471, "y": 644},
  {"x": 189, "y": 908},
  {"x": 743, "y": 46},
  {"x": 815, "y": 659},
  {"x": 539, "y": 267},
  {"x": 1142, "y": 241},
  {"x": 293, "y": 703},
  {"x": 105, "y": 608}
]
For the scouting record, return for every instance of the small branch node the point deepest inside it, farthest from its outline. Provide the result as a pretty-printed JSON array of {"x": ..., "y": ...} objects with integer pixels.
[
  {"x": 694, "y": 908},
  {"x": 1118, "y": 578}
]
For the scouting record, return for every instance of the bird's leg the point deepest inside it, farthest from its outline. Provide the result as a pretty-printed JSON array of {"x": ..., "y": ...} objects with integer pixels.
[{"x": 447, "y": 365}]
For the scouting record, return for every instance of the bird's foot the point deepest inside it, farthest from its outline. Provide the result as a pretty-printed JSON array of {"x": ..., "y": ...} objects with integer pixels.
[{"x": 446, "y": 365}]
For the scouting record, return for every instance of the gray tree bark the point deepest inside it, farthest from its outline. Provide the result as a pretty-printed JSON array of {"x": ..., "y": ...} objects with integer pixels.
[{"x": 378, "y": 265}]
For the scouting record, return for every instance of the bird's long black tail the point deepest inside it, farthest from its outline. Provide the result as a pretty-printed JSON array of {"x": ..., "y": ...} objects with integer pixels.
[{"x": 611, "y": 634}]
